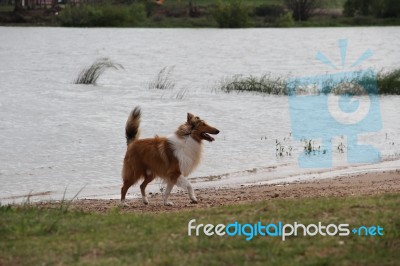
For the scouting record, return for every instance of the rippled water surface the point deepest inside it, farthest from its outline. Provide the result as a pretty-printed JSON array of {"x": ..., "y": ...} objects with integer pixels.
[{"x": 56, "y": 135}]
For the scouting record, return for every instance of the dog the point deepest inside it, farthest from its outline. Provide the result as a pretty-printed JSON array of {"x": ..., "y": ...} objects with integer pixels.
[{"x": 170, "y": 158}]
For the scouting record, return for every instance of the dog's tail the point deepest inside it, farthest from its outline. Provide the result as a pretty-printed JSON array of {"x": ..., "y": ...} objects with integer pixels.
[{"x": 132, "y": 126}]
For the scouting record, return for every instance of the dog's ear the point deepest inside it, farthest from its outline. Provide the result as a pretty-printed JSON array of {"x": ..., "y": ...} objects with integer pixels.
[{"x": 189, "y": 117}]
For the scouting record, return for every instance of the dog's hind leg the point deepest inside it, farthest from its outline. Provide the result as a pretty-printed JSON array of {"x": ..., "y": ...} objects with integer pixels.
[
  {"x": 127, "y": 184},
  {"x": 168, "y": 190},
  {"x": 129, "y": 177},
  {"x": 185, "y": 184},
  {"x": 148, "y": 178}
]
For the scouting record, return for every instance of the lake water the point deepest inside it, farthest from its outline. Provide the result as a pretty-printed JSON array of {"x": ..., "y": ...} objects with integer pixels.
[{"x": 55, "y": 135}]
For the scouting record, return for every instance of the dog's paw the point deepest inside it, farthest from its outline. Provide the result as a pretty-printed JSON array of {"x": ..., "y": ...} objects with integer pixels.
[
  {"x": 194, "y": 201},
  {"x": 122, "y": 204},
  {"x": 168, "y": 203},
  {"x": 145, "y": 201}
]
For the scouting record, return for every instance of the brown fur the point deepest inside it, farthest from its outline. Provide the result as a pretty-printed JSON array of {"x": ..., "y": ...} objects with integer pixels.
[
  {"x": 132, "y": 131},
  {"x": 154, "y": 157}
]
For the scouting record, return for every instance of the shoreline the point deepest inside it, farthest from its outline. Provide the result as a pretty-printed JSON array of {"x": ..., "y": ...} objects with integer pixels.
[{"x": 385, "y": 182}]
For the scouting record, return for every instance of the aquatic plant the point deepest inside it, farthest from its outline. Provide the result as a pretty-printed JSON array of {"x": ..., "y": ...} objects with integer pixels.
[
  {"x": 310, "y": 148},
  {"x": 181, "y": 94},
  {"x": 341, "y": 147},
  {"x": 264, "y": 84},
  {"x": 282, "y": 149},
  {"x": 163, "y": 79},
  {"x": 389, "y": 82},
  {"x": 362, "y": 83},
  {"x": 91, "y": 74}
]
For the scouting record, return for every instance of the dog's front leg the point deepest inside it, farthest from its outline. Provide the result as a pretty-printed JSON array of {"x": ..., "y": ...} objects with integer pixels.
[
  {"x": 192, "y": 196},
  {"x": 185, "y": 184}
]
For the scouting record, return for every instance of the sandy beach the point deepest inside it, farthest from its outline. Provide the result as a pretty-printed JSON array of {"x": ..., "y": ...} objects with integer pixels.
[{"x": 354, "y": 185}]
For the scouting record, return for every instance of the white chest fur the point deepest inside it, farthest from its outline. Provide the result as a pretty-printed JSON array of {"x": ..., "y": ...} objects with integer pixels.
[{"x": 187, "y": 151}]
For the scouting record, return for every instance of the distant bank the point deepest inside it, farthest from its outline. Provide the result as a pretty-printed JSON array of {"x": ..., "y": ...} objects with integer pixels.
[{"x": 200, "y": 13}]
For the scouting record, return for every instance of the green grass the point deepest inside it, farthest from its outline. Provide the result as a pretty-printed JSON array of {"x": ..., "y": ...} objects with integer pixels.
[{"x": 34, "y": 236}]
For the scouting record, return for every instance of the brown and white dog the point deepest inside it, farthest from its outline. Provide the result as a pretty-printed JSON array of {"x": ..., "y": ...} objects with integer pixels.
[{"x": 170, "y": 158}]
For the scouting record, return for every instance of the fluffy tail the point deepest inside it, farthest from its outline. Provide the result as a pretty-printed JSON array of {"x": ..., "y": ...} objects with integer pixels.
[{"x": 132, "y": 126}]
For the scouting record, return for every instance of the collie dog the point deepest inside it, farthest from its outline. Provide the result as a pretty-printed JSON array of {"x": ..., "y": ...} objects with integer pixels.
[{"x": 170, "y": 158}]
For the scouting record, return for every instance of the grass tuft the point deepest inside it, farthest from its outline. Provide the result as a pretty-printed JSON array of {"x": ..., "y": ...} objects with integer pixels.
[
  {"x": 65, "y": 204},
  {"x": 163, "y": 80},
  {"x": 181, "y": 94},
  {"x": 389, "y": 82},
  {"x": 265, "y": 84},
  {"x": 91, "y": 74}
]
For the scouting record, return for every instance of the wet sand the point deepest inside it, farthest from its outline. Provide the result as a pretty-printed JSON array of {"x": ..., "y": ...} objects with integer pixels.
[{"x": 355, "y": 185}]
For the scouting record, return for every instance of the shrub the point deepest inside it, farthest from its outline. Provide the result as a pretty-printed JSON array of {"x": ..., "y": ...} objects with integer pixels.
[
  {"x": 378, "y": 8},
  {"x": 231, "y": 15},
  {"x": 175, "y": 10},
  {"x": 285, "y": 20},
  {"x": 357, "y": 7},
  {"x": 269, "y": 11},
  {"x": 107, "y": 16},
  {"x": 74, "y": 16},
  {"x": 302, "y": 9},
  {"x": 392, "y": 8},
  {"x": 102, "y": 15},
  {"x": 136, "y": 14}
]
